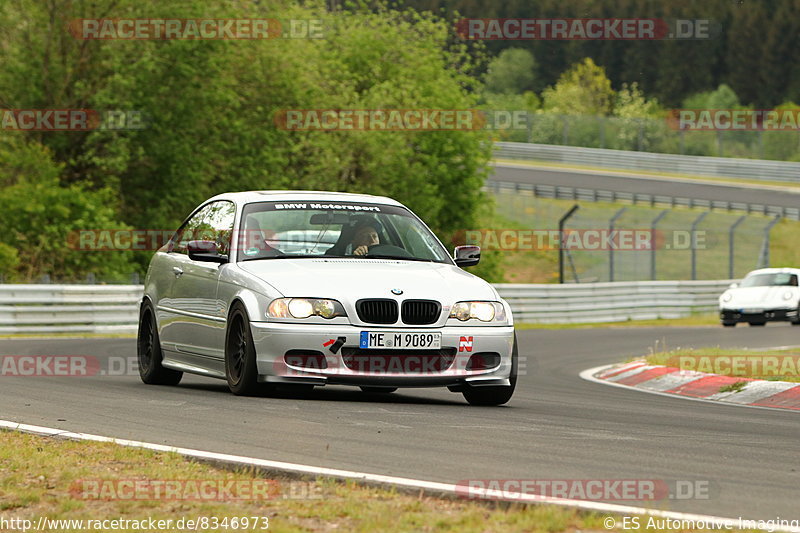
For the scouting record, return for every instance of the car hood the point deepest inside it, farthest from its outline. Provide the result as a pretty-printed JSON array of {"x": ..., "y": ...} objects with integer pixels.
[
  {"x": 352, "y": 279},
  {"x": 759, "y": 296}
]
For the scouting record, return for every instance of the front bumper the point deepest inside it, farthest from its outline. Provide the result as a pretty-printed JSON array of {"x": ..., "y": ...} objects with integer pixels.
[
  {"x": 390, "y": 368},
  {"x": 758, "y": 315}
]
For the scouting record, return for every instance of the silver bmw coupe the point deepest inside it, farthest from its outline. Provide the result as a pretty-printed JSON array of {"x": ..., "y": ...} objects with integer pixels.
[{"x": 304, "y": 289}]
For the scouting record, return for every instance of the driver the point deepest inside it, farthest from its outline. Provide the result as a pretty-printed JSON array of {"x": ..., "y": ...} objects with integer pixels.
[{"x": 365, "y": 235}]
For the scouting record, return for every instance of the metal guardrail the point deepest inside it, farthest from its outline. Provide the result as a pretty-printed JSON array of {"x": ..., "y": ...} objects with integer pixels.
[
  {"x": 757, "y": 169},
  {"x": 653, "y": 200},
  {"x": 611, "y": 302},
  {"x": 115, "y": 308},
  {"x": 69, "y": 308}
]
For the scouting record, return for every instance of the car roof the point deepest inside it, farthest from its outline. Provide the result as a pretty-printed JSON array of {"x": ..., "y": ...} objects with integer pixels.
[
  {"x": 246, "y": 197},
  {"x": 775, "y": 271}
]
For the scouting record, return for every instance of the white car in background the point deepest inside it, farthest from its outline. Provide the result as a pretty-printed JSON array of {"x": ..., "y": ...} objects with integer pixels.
[
  {"x": 764, "y": 295},
  {"x": 306, "y": 289}
]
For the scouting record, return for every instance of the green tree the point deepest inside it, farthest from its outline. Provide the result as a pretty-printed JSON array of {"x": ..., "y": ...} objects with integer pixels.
[
  {"x": 210, "y": 107},
  {"x": 512, "y": 72},
  {"x": 582, "y": 90},
  {"x": 41, "y": 219},
  {"x": 723, "y": 97}
]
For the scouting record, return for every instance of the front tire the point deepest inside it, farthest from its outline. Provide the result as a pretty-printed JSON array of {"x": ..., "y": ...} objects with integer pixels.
[
  {"x": 148, "y": 351},
  {"x": 495, "y": 395},
  {"x": 240, "y": 354}
]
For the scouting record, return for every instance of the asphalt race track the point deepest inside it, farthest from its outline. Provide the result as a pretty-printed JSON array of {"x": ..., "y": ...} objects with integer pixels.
[
  {"x": 557, "y": 426},
  {"x": 700, "y": 190}
]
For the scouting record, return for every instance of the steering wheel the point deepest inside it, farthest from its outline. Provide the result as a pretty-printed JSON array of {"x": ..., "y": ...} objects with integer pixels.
[{"x": 387, "y": 249}]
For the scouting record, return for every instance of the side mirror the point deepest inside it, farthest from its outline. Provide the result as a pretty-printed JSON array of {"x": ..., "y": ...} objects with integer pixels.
[
  {"x": 733, "y": 285},
  {"x": 467, "y": 256},
  {"x": 205, "y": 251}
]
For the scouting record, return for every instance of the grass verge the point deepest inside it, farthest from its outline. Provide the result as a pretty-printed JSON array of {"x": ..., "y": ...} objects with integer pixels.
[{"x": 49, "y": 477}]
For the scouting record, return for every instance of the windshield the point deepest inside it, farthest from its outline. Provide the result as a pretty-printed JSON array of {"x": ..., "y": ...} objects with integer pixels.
[
  {"x": 766, "y": 280},
  {"x": 271, "y": 230}
]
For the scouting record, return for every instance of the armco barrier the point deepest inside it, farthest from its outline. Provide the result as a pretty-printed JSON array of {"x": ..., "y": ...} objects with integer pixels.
[
  {"x": 757, "y": 169},
  {"x": 115, "y": 308},
  {"x": 69, "y": 308},
  {"x": 611, "y": 302}
]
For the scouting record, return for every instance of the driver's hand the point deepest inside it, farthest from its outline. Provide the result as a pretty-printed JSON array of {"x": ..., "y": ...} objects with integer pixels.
[{"x": 361, "y": 250}]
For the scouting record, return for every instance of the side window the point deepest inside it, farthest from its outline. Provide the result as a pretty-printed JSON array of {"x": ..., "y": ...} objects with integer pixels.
[{"x": 214, "y": 222}]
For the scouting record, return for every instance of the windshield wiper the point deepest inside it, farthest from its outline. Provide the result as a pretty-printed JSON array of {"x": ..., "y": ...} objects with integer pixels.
[
  {"x": 383, "y": 256},
  {"x": 267, "y": 257}
]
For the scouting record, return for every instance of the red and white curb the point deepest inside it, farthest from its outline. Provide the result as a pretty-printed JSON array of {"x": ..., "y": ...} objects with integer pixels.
[
  {"x": 708, "y": 521},
  {"x": 672, "y": 381}
]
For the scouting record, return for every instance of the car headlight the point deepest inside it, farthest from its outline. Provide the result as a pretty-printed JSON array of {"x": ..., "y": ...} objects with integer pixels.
[
  {"x": 787, "y": 295},
  {"x": 304, "y": 308},
  {"x": 727, "y": 297},
  {"x": 483, "y": 311}
]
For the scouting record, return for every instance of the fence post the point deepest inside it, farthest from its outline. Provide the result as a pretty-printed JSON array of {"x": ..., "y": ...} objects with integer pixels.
[
  {"x": 561, "y": 222},
  {"x": 640, "y": 143},
  {"x": 602, "y": 125},
  {"x": 530, "y": 126},
  {"x": 764, "y": 255},
  {"x": 653, "y": 225},
  {"x": 731, "y": 234},
  {"x": 694, "y": 242},
  {"x": 611, "y": 237}
]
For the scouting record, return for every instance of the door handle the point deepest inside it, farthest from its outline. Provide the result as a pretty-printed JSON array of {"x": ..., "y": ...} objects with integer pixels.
[{"x": 177, "y": 271}]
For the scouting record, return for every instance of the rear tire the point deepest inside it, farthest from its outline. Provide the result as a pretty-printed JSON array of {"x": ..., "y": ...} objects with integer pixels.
[
  {"x": 379, "y": 390},
  {"x": 148, "y": 351},
  {"x": 240, "y": 354},
  {"x": 495, "y": 395}
]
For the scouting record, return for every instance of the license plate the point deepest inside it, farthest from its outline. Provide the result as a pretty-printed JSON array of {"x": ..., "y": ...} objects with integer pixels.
[
  {"x": 400, "y": 340},
  {"x": 752, "y": 310}
]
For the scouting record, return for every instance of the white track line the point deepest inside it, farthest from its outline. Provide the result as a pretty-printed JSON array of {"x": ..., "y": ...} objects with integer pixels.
[{"x": 377, "y": 478}]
